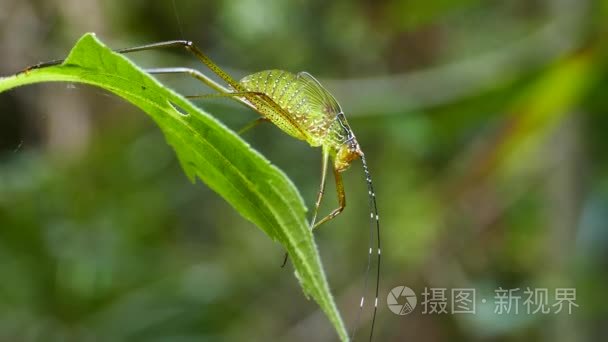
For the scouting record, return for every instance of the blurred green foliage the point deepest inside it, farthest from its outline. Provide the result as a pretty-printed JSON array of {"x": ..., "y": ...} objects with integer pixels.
[
  {"x": 207, "y": 151},
  {"x": 484, "y": 125}
]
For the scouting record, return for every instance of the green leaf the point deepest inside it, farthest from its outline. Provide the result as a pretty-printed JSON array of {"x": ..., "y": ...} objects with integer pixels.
[{"x": 258, "y": 190}]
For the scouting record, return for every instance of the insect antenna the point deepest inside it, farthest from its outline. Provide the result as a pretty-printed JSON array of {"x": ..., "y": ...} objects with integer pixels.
[
  {"x": 179, "y": 22},
  {"x": 373, "y": 220}
]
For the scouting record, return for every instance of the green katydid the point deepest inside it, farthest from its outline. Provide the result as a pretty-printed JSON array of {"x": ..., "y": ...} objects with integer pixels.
[{"x": 300, "y": 106}]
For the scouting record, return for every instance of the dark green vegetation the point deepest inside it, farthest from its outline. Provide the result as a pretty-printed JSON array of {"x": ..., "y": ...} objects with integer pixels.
[{"x": 484, "y": 123}]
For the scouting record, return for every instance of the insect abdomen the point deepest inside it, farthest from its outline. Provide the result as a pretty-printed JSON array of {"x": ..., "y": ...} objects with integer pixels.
[{"x": 285, "y": 90}]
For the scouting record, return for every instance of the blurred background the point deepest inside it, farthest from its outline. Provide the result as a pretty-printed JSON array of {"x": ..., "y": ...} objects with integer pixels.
[{"x": 483, "y": 123}]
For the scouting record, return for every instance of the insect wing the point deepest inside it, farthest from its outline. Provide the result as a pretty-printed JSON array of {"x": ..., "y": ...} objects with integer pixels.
[{"x": 319, "y": 99}]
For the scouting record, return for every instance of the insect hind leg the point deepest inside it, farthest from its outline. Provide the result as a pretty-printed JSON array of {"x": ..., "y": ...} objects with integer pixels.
[{"x": 184, "y": 44}]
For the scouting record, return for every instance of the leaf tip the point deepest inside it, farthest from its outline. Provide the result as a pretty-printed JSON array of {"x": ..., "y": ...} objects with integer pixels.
[{"x": 83, "y": 48}]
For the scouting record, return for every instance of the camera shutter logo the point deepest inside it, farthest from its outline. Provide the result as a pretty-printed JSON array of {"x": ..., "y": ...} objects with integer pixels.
[{"x": 401, "y": 300}]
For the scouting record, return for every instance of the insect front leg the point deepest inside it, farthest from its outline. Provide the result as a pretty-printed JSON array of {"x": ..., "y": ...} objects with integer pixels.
[
  {"x": 322, "y": 186},
  {"x": 341, "y": 200}
]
